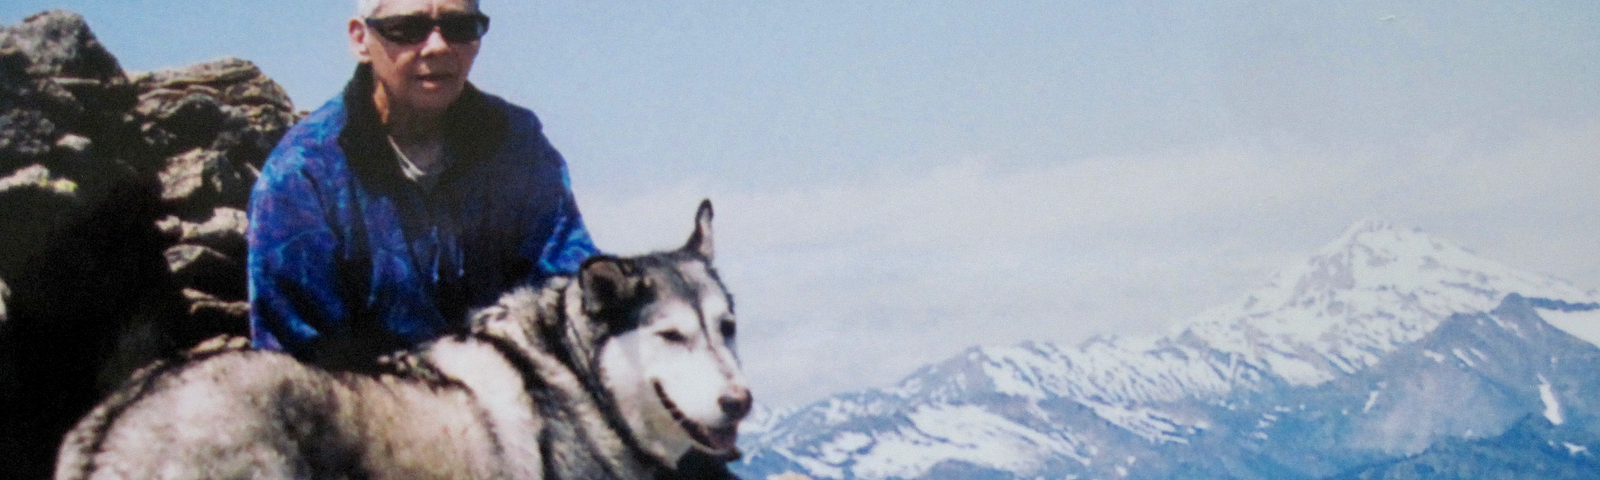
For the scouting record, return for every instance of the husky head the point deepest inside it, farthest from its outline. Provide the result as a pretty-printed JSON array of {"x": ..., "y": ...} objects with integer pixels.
[{"x": 668, "y": 360}]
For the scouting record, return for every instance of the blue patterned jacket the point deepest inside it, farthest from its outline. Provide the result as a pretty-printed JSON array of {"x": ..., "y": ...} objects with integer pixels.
[{"x": 348, "y": 259}]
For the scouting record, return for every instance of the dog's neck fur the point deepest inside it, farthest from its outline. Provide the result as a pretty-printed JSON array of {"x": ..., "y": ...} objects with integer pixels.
[{"x": 557, "y": 353}]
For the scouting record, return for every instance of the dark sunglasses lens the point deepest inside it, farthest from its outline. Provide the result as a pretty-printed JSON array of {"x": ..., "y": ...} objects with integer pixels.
[
  {"x": 405, "y": 30},
  {"x": 464, "y": 28}
]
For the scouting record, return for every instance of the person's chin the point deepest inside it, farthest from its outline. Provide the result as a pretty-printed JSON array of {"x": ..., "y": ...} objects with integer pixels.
[{"x": 435, "y": 95}]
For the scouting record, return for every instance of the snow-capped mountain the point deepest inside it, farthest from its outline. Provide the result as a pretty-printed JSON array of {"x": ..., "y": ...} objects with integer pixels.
[
  {"x": 1382, "y": 344},
  {"x": 1375, "y": 289}
]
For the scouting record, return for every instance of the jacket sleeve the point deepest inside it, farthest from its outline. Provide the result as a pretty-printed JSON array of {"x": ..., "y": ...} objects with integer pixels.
[
  {"x": 292, "y": 253},
  {"x": 568, "y": 244}
]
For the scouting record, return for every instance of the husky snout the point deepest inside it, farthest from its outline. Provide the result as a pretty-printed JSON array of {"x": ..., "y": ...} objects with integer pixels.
[{"x": 736, "y": 402}]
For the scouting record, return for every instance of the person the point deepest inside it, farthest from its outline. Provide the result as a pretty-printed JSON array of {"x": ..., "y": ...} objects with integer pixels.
[{"x": 385, "y": 215}]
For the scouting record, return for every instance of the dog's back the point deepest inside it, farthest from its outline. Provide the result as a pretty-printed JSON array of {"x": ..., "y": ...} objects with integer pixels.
[
  {"x": 256, "y": 414},
  {"x": 217, "y": 407}
]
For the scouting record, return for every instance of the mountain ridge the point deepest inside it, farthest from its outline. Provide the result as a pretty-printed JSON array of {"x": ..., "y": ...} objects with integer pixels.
[{"x": 1315, "y": 331}]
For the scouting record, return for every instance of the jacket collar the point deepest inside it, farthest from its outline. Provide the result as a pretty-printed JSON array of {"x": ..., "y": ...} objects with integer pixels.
[{"x": 473, "y": 129}]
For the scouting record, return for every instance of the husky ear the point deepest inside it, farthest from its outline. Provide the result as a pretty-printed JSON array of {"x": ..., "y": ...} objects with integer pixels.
[
  {"x": 607, "y": 282},
  {"x": 700, "y": 241}
]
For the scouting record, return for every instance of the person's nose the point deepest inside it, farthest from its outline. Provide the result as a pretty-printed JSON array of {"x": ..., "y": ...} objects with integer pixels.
[{"x": 435, "y": 43}]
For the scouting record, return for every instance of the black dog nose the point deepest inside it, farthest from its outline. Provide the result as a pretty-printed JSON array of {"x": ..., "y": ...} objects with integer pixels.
[{"x": 736, "y": 403}]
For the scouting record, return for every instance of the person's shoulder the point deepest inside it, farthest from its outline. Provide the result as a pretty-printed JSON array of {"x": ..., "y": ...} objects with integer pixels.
[
  {"x": 518, "y": 119},
  {"x": 309, "y": 141},
  {"x": 320, "y": 126}
]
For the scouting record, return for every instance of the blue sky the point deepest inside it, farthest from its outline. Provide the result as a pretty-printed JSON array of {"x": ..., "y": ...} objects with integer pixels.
[{"x": 898, "y": 180}]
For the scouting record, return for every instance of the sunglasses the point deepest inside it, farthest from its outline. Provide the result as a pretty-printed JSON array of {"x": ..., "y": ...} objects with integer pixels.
[{"x": 411, "y": 29}]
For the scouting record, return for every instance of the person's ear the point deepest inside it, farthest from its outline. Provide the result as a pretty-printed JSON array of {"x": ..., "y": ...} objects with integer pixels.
[{"x": 358, "y": 40}]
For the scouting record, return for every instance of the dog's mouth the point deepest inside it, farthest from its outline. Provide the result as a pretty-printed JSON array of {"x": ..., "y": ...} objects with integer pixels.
[{"x": 718, "y": 442}]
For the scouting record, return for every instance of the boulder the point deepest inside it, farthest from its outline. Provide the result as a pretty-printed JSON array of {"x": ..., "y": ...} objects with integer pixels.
[
  {"x": 213, "y": 125},
  {"x": 123, "y": 200},
  {"x": 56, "y": 79}
]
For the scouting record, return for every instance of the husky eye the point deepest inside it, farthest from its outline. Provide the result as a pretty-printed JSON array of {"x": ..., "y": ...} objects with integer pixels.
[
  {"x": 673, "y": 336},
  {"x": 728, "y": 329}
]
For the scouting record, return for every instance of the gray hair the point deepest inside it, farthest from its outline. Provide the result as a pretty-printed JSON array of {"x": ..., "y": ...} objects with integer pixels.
[{"x": 366, "y": 8}]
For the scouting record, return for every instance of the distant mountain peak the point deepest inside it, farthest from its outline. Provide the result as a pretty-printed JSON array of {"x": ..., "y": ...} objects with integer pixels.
[
  {"x": 1369, "y": 225},
  {"x": 1377, "y": 287}
]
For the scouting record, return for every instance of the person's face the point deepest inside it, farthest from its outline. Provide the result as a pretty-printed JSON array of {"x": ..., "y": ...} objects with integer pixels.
[{"x": 425, "y": 76}]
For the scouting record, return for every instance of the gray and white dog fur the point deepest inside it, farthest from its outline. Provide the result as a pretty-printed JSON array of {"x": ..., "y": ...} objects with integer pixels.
[{"x": 625, "y": 370}]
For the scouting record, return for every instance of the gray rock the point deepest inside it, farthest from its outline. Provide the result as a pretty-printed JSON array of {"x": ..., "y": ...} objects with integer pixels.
[
  {"x": 225, "y": 223},
  {"x": 204, "y": 304},
  {"x": 214, "y": 123},
  {"x": 123, "y": 220},
  {"x": 190, "y": 172},
  {"x": 25, "y": 137},
  {"x": 59, "y": 44},
  {"x": 38, "y": 177},
  {"x": 56, "y": 78},
  {"x": 216, "y": 105},
  {"x": 73, "y": 143}
]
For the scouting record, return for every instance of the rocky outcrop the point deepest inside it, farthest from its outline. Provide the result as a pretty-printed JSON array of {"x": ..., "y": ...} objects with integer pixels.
[
  {"x": 122, "y": 218},
  {"x": 213, "y": 125}
]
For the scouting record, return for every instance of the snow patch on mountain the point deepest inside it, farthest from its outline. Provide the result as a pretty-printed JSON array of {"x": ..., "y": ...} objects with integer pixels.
[
  {"x": 1372, "y": 399},
  {"x": 763, "y": 419},
  {"x": 1552, "y": 405},
  {"x": 1153, "y": 425},
  {"x": 963, "y": 433}
]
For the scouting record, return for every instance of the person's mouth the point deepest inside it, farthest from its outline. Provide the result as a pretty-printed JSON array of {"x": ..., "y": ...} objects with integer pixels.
[{"x": 436, "y": 77}]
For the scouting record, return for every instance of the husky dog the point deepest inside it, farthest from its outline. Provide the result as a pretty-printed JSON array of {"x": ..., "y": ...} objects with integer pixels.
[{"x": 624, "y": 370}]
